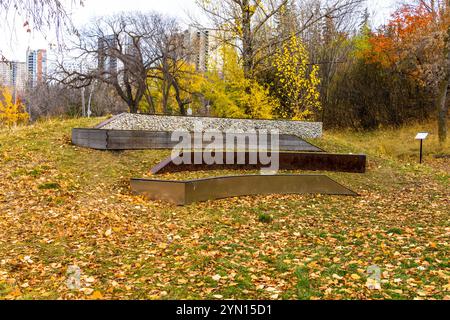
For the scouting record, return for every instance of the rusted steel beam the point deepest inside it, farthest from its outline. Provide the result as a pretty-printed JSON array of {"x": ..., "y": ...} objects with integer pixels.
[{"x": 287, "y": 161}]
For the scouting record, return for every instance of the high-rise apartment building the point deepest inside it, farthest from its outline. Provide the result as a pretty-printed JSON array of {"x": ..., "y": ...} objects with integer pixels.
[
  {"x": 204, "y": 46},
  {"x": 13, "y": 74},
  {"x": 106, "y": 61},
  {"x": 19, "y": 75},
  {"x": 37, "y": 66},
  {"x": 5, "y": 73}
]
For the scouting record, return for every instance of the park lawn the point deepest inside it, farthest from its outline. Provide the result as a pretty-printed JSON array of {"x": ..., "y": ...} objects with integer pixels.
[{"x": 63, "y": 206}]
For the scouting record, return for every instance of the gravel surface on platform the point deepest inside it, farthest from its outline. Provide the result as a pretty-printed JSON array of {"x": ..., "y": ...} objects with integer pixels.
[{"x": 128, "y": 121}]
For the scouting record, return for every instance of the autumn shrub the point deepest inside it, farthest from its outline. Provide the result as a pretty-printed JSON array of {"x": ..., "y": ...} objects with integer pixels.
[
  {"x": 233, "y": 95},
  {"x": 367, "y": 94},
  {"x": 295, "y": 83},
  {"x": 12, "y": 111},
  {"x": 238, "y": 98}
]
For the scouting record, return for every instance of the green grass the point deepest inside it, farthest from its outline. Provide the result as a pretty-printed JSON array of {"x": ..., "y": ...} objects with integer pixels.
[
  {"x": 265, "y": 218},
  {"x": 62, "y": 205},
  {"x": 49, "y": 186}
]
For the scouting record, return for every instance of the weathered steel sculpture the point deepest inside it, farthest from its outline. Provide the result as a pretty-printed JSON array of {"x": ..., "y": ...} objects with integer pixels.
[{"x": 187, "y": 192}]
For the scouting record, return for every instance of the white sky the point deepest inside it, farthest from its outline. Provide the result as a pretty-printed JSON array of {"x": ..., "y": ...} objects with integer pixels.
[{"x": 14, "y": 45}]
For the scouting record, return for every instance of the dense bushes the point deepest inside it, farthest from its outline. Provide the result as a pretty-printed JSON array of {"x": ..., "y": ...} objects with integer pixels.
[{"x": 367, "y": 96}]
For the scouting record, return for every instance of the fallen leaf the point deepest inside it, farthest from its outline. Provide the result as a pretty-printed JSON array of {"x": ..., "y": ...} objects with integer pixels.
[
  {"x": 216, "y": 277},
  {"x": 97, "y": 295},
  {"x": 354, "y": 276}
]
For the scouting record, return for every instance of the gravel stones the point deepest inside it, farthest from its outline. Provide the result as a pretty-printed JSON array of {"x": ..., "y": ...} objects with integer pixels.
[{"x": 127, "y": 121}]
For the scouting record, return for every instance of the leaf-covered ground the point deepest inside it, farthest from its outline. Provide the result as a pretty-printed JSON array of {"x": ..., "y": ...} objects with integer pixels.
[{"x": 63, "y": 206}]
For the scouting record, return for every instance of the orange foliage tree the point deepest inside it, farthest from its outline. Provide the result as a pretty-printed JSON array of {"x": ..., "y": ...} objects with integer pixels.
[
  {"x": 416, "y": 42},
  {"x": 407, "y": 25}
]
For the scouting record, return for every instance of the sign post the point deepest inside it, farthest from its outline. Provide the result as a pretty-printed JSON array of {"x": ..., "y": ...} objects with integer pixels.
[{"x": 421, "y": 136}]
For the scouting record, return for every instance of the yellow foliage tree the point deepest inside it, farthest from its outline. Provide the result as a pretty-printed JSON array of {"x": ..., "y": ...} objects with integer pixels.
[
  {"x": 295, "y": 82},
  {"x": 232, "y": 94},
  {"x": 11, "y": 112},
  {"x": 189, "y": 83},
  {"x": 217, "y": 93},
  {"x": 225, "y": 89}
]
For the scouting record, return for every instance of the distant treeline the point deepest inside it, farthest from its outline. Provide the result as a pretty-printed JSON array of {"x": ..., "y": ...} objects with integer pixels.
[{"x": 288, "y": 59}]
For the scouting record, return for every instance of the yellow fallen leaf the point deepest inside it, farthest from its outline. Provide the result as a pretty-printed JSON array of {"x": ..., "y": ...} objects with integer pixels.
[
  {"x": 14, "y": 294},
  {"x": 355, "y": 276},
  {"x": 422, "y": 293},
  {"x": 97, "y": 295}
]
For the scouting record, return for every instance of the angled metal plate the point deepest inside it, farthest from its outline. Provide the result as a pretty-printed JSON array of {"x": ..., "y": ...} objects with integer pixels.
[
  {"x": 142, "y": 140},
  {"x": 191, "y": 191},
  {"x": 170, "y": 191},
  {"x": 287, "y": 161}
]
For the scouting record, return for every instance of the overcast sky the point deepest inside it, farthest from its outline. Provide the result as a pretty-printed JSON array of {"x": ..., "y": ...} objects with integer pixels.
[{"x": 14, "y": 45}]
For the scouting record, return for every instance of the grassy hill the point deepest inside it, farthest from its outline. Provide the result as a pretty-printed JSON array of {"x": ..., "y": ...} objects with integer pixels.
[{"x": 61, "y": 206}]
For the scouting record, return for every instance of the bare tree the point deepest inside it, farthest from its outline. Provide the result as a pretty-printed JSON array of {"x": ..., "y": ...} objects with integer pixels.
[
  {"x": 38, "y": 15},
  {"x": 244, "y": 20},
  {"x": 175, "y": 66},
  {"x": 121, "y": 51},
  {"x": 251, "y": 23},
  {"x": 329, "y": 47},
  {"x": 53, "y": 99}
]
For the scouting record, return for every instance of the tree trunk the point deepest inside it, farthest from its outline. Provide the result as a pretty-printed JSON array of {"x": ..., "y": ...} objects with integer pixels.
[
  {"x": 247, "y": 54},
  {"x": 150, "y": 101},
  {"x": 165, "y": 96},
  {"x": 180, "y": 101},
  {"x": 442, "y": 106},
  {"x": 83, "y": 102},
  {"x": 89, "y": 106},
  {"x": 133, "y": 106}
]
